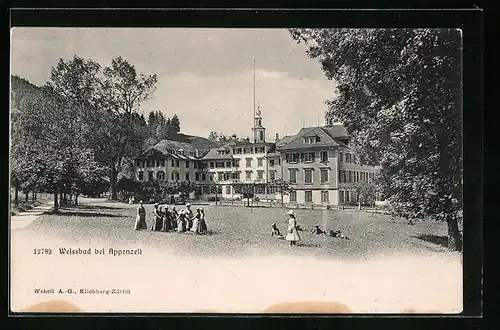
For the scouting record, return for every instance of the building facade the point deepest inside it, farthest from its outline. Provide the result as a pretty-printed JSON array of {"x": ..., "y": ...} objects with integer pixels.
[{"x": 317, "y": 162}]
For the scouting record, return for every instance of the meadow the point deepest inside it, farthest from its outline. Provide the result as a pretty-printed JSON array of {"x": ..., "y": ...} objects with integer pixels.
[{"x": 236, "y": 231}]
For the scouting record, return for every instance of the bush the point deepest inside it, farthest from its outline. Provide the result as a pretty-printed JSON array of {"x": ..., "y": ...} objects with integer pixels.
[{"x": 212, "y": 199}]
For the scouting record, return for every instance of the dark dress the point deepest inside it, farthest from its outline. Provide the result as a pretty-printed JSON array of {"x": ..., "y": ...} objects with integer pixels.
[
  {"x": 140, "y": 222},
  {"x": 173, "y": 217},
  {"x": 166, "y": 221},
  {"x": 203, "y": 224},
  {"x": 157, "y": 221}
]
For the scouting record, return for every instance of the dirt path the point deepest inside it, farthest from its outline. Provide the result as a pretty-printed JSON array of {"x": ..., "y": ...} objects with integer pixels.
[{"x": 23, "y": 219}]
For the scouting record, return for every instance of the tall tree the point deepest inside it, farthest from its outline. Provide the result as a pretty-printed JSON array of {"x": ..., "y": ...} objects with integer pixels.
[
  {"x": 175, "y": 124},
  {"x": 123, "y": 91},
  {"x": 214, "y": 136},
  {"x": 399, "y": 95}
]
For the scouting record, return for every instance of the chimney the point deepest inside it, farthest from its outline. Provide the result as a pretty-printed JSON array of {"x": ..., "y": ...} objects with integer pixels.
[{"x": 277, "y": 136}]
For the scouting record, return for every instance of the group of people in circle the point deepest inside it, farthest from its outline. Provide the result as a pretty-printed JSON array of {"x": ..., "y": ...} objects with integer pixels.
[{"x": 165, "y": 219}]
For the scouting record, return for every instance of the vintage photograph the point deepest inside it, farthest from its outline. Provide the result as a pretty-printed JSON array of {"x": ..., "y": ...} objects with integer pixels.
[{"x": 221, "y": 170}]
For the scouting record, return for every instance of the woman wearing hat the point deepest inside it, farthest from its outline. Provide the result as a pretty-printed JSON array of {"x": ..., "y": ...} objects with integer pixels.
[
  {"x": 173, "y": 218},
  {"x": 292, "y": 232},
  {"x": 196, "y": 222},
  {"x": 140, "y": 221},
  {"x": 189, "y": 216},
  {"x": 203, "y": 224},
  {"x": 166, "y": 219},
  {"x": 157, "y": 221},
  {"x": 181, "y": 222}
]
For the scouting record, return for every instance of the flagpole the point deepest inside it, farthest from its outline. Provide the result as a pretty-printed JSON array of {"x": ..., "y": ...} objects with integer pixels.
[{"x": 254, "y": 140}]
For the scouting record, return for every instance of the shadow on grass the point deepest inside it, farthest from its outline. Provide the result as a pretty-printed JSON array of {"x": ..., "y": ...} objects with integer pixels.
[
  {"x": 309, "y": 245},
  {"x": 438, "y": 240},
  {"x": 92, "y": 207},
  {"x": 84, "y": 214}
]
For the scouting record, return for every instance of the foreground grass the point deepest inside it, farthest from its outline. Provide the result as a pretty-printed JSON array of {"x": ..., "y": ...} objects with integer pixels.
[{"x": 237, "y": 231}]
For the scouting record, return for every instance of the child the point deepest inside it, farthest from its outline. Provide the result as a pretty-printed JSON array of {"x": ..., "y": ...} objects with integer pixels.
[
  {"x": 338, "y": 234},
  {"x": 292, "y": 233},
  {"x": 318, "y": 231},
  {"x": 275, "y": 232}
]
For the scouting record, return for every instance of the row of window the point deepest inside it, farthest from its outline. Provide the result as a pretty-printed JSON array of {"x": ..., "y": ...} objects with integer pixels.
[
  {"x": 325, "y": 196},
  {"x": 308, "y": 175},
  {"x": 249, "y": 150},
  {"x": 350, "y": 158},
  {"x": 352, "y": 176},
  {"x": 260, "y": 190},
  {"x": 161, "y": 163},
  {"x": 305, "y": 157},
  {"x": 311, "y": 139},
  {"x": 347, "y": 196},
  {"x": 221, "y": 176}
]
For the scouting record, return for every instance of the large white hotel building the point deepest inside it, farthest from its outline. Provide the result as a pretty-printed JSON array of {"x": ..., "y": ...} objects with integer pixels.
[{"x": 317, "y": 162}]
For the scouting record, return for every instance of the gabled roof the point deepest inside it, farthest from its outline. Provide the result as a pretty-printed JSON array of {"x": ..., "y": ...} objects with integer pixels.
[
  {"x": 213, "y": 154},
  {"x": 165, "y": 145},
  {"x": 336, "y": 131},
  {"x": 325, "y": 139},
  {"x": 284, "y": 140}
]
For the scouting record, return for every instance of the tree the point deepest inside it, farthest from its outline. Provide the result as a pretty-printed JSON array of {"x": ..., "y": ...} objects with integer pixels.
[
  {"x": 284, "y": 188},
  {"x": 399, "y": 95},
  {"x": 366, "y": 192},
  {"x": 90, "y": 178},
  {"x": 123, "y": 91},
  {"x": 175, "y": 124},
  {"x": 127, "y": 187},
  {"x": 213, "y": 136}
]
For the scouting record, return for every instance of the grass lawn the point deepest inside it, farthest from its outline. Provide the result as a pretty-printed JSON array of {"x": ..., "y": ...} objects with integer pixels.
[
  {"x": 384, "y": 267},
  {"x": 237, "y": 231}
]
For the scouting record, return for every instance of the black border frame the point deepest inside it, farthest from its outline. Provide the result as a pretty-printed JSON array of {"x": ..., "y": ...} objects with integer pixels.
[{"x": 471, "y": 23}]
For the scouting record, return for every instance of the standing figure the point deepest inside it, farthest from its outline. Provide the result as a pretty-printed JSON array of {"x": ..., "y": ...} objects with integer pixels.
[
  {"x": 189, "y": 216},
  {"x": 140, "y": 221},
  {"x": 292, "y": 232},
  {"x": 203, "y": 224},
  {"x": 181, "y": 222},
  {"x": 157, "y": 222},
  {"x": 196, "y": 222},
  {"x": 166, "y": 220},
  {"x": 174, "y": 215}
]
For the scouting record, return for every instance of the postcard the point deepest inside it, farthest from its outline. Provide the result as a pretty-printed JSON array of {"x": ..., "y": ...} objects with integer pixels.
[{"x": 221, "y": 170}]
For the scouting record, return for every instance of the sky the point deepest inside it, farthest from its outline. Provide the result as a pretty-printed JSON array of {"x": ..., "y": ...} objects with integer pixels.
[{"x": 205, "y": 76}]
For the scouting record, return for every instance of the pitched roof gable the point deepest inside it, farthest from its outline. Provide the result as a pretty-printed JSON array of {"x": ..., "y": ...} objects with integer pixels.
[
  {"x": 213, "y": 154},
  {"x": 326, "y": 140},
  {"x": 336, "y": 131}
]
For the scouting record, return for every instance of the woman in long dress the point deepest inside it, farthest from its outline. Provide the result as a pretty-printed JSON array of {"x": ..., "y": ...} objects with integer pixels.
[
  {"x": 196, "y": 222},
  {"x": 157, "y": 222},
  {"x": 140, "y": 221},
  {"x": 189, "y": 216},
  {"x": 203, "y": 224},
  {"x": 174, "y": 215},
  {"x": 166, "y": 219},
  {"x": 292, "y": 233},
  {"x": 181, "y": 222}
]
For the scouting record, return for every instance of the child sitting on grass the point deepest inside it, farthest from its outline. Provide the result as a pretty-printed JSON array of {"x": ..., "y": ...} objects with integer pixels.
[
  {"x": 318, "y": 231},
  {"x": 338, "y": 234},
  {"x": 275, "y": 232}
]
